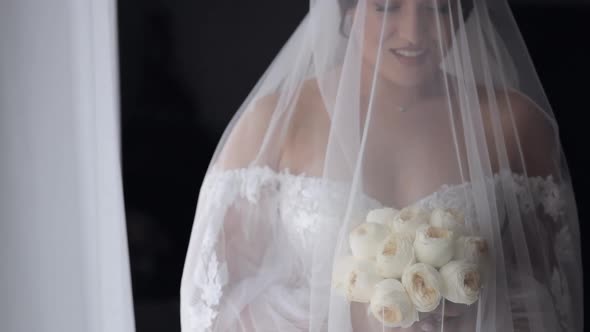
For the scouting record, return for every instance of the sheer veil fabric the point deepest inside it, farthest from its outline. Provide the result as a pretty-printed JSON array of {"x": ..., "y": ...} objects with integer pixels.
[{"x": 431, "y": 104}]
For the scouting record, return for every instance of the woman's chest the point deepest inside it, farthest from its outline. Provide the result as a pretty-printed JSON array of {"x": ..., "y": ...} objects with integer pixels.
[
  {"x": 402, "y": 163},
  {"x": 400, "y": 158}
]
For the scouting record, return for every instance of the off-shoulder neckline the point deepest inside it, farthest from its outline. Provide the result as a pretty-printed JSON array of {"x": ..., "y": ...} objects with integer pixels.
[{"x": 286, "y": 173}]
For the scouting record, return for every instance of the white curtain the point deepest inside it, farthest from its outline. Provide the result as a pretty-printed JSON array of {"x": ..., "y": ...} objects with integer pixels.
[{"x": 63, "y": 245}]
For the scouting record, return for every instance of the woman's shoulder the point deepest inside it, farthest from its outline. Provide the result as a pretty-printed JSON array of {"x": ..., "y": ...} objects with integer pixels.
[
  {"x": 515, "y": 104},
  {"x": 529, "y": 132},
  {"x": 309, "y": 107},
  {"x": 270, "y": 117},
  {"x": 307, "y": 132}
]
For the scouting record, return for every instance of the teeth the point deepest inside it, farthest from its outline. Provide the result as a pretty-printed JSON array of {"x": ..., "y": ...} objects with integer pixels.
[{"x": 410, "y": 53}]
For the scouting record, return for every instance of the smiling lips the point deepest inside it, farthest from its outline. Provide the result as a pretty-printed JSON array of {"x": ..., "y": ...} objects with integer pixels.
[{"x": 410, "y": 56}]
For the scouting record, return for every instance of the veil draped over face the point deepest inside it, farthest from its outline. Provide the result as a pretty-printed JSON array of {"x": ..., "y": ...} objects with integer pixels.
[{"x": 390, "y": 136}]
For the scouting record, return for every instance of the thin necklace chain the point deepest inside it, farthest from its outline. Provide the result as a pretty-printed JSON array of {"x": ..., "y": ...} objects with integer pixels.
[{"x": 407, "y": 107}]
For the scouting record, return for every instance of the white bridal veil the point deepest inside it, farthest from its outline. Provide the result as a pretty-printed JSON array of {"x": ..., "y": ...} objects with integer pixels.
[
  {"x": 63, "y": 244},
  {"x": 397, "y": 168}
]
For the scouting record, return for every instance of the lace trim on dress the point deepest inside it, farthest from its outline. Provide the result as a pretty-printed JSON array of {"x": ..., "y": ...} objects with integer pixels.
[
  {"x": 221, "y": 188},
  {"x": 219, "y": 191}
]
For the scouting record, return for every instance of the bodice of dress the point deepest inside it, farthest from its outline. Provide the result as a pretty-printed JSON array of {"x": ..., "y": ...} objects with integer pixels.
[{"x": 302, "y": 203}]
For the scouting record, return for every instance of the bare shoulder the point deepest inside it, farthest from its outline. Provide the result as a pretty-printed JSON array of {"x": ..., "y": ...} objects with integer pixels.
[
  {"x": 527, "y": 114},
  {"x": 272, "y": 119},
  {"x": 530, "y": 134},
  {"x": 309, "y": 106},
  {"x": 247, "y": 132},
  {"x": 307, "y": 134}
]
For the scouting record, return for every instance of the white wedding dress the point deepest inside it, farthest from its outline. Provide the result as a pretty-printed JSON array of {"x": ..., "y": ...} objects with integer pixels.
[
  {"x": 388, "y": 101},
  {"x": 294, "y": 199}
]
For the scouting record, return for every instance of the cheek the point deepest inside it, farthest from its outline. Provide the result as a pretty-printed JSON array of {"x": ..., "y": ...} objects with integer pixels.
[
  {"x": 372, "y": 29},
  {"x": 439, "y": 28},
  {"x": 442, "y": 40},
  {"x": 374, "y": 37},
  {"x": 371, "y": 37}
]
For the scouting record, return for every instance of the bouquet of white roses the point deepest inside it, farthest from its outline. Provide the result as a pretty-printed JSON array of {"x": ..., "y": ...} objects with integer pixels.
[{"x": 404, "y": 262}]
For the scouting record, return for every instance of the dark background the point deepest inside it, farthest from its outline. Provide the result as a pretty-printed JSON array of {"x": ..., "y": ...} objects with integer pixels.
[{"x": 187, "y": 65}]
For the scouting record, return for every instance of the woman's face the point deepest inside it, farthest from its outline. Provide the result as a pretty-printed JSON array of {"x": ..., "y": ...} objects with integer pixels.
[{"x": 414, "y": 36}]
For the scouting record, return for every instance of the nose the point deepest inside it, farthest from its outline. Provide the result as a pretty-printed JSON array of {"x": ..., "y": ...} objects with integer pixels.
[{"x": 411, "y": 25}]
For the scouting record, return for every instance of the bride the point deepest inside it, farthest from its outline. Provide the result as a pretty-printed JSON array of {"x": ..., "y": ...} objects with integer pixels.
[{"x": 397, "y": 168}]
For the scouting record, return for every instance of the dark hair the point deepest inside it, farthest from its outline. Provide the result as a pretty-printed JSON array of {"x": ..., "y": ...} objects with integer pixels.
[{"x": 346, "y": 5}]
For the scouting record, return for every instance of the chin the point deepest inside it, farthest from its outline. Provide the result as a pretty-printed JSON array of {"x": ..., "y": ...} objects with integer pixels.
[
  {"x": 405, "y": 75},
  {"x": 406, "y": 79}
]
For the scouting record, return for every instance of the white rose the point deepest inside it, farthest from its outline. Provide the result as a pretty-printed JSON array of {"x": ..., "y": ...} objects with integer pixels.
[
  {"x": 396, "y": 253},
  {"x": 366, "y": 239},
  {"x": 424, "y": 286},
  {"x": 434, "y": 246},
  {"x": 391, "y": 305},
  {"x": 473, "y": 249},
  {"x": 355, "y": 278},
  {"x": 451, "y": 219},
  {"x": 409, "y": 219},
  {"x": 382, "y": 216},
  {"x": 462, "y": 282}
]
